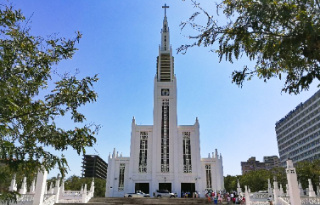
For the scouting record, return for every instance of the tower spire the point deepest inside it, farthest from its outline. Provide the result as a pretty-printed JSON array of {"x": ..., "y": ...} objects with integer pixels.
[
  {"x": 165, "y": 72},
  {"x": 165, "y": 41},
  {"x": 165, "y": 7}
]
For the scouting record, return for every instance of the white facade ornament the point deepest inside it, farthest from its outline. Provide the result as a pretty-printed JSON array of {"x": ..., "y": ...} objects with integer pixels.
[
  {"x": 23, "y": 189},
  {"x": 40, "y": 187},
  {"x": 311, "y": 191},
  {"x": 13, "y": 184},
  {"x": 293, "y": 186}
]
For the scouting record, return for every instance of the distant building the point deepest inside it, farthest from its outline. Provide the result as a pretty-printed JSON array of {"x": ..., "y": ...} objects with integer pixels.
[
  {"x": 271, "y": 162},
  {"x": 252, "y": 164},
  {"x": 298, "y": 133},
  {"x": 94, "y": 166}
]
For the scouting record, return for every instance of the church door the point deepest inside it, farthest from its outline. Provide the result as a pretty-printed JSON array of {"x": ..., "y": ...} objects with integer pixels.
[
  {"x": 144, "y": 187},
  {"x": 187, "y": 188},
  {"x": 165, "y": 186}
]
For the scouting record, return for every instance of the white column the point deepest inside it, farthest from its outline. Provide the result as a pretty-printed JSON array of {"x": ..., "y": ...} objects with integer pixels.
[
  {"x": 57, "y": 189},
  {"x": 238, "y": 187},
  {"x": 247, "y": 196},
  {"x": 92, "y": 188},
  {"x": 23, "y": 189},
  {"x": 33, "y": 186},
  {"x": 281, "y": 191},
  {"x": 294, "y": 192},
  {"x": 13, "y": 184},
  {"x": 84, "y": 194},
  {"x": 40, "y": 188},
  {"x": 269, "y": 188},
  {"x": 276, "y": 192},
  {"x": 311, "y": 192},
  {"x": 300, "y": 188}
]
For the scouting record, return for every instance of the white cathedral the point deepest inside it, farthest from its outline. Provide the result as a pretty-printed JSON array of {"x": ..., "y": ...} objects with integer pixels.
[{"x": 165, "y": 155}]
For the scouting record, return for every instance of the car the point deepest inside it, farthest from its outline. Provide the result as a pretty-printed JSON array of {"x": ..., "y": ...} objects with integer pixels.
[
  {"x": 165, "y": 194},
  {"x": 138, "y": 194}
]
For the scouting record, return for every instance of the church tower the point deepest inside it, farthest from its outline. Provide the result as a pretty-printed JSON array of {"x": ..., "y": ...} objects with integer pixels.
[
  {"x": 165, "y": 111},
  {"x": 165, "y": 155}
]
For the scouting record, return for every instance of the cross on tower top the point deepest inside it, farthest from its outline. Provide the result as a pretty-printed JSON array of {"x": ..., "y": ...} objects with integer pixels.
[{"x": 165, "y": 7}]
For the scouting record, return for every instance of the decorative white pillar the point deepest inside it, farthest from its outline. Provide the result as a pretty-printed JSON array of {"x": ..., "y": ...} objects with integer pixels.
[
  {"x": 269, "y": 188},
  {"x": 311, "y": 192},
  {"x": 23, "y": 189},
  {"x": 92, "y": 188},
  {"x": 247, "y": 196},
  {"x": 51, "y": 189},
  {"x": 276, "y": 192},
  {"x": 40, "y": 187},
  {"x": 57, "y": 189},
  {"x": 281, "y": 191},
  {"x": 294, "y": 192},
  {"x": 13, "y": 184},
  {"x": 84, "y": 194},
  {"x": 287, "y": 190},
  {"x": 301, "y": 190},
  {"x": 33, "y": 186},
  {"x": 62, "y": 186},
  {"x": 238, "y": 187}
]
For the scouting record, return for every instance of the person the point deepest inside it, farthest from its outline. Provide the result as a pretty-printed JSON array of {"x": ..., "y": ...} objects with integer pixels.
[
  {"x": 243, "y": 200},
  {"x": 270, "y": 200},
  {"x": 228, "y": 199}
]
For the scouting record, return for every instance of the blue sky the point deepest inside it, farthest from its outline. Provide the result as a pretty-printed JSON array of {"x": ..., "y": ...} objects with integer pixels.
[{"x": 120, "y": 43}]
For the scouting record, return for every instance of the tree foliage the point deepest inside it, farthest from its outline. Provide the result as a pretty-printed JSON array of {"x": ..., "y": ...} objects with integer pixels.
[
  {"x": 282, "y": 37},
  {"x": 230, "y": 183},
  {"x": 29, "y": 107},
  {"x": 75, "y": 183},
  {"x": 308, "y": 170},
  {"x": 258, "y": 180}
]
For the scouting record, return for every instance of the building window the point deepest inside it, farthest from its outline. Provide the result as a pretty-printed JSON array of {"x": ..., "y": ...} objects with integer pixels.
[
  {"x": 121, "y": 177},
  {"x": 143, "y": 155},
  {"x": 187, "y": 167},
  {"x": 165, "y": 136},
  {"x": 208, "y": 176}
]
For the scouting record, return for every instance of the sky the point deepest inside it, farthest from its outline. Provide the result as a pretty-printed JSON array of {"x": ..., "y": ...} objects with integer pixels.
[{"x": 120, "y": 44}]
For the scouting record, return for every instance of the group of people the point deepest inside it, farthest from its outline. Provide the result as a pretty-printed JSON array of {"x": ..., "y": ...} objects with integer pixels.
[{"x": 218, "y": 197}]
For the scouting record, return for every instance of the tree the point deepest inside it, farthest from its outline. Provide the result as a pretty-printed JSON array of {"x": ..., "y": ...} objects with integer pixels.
[
  {"x": 74, "y": 183},
  {"x": 29, "y": 109},
  {"x": 308, "y": 170},
  {"x": 281, "y": 36},
  {"x": 230, "y": 183},
  {"x": 256, "y": 180}
]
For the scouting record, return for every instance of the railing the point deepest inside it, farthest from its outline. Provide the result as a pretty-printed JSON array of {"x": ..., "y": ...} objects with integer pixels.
[
  {"x": 49, "y": 199},
  {"x": 310, "y": 200},
  {"x": 25, "y": 197},
  {"x": 284, "y": 200},
  {"x": 258, "y": 203},
  {"x": 258, "y": 195}
]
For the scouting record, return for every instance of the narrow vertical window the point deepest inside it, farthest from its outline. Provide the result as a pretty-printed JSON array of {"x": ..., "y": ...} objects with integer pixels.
[
  {"x": 187, "y": 167},
  {"x": 208, "y": 176},
  {"x": 143, "y": 155},
  {"x": 121, "y": 177},
  {"x": 165, "y": 136}
]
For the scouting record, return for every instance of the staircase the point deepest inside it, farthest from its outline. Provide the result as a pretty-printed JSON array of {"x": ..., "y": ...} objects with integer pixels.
[{"x": 145, "y": 201}]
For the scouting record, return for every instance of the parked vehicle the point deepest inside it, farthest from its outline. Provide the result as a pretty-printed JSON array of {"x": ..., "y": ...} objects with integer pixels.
[
  {"x": 138, "y": 194},
  {"x": 165, "y": 194}
]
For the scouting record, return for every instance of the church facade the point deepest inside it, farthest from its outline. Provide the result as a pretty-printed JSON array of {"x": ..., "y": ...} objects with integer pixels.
[{"x": 165, "y": 155}]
